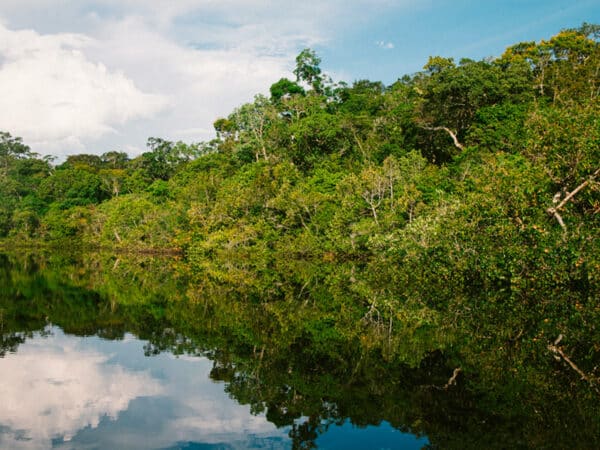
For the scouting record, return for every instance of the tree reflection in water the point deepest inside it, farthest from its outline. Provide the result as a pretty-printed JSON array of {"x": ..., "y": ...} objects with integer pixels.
[{"x": 313, "y": 355}]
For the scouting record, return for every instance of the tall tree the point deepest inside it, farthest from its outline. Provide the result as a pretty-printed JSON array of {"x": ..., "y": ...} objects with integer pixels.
[
  {"x": 308, "y": 70},
  {"x": 11, "y": 148}
]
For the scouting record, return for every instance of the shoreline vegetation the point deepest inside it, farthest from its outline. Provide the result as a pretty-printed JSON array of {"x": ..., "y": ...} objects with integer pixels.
[
  {"x": 11, "y": 245},
  {"x": 463, "y": 197}
]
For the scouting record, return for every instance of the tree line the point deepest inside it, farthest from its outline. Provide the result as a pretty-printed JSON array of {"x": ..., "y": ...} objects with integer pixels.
[{"x": 476, "y": 173}]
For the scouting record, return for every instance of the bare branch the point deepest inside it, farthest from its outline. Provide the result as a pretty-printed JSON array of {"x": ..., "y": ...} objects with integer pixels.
[
  {"x": 452, "y": 380},
  {"x": 558, "y": 351},
  {"x": 452, "y": 134},
  {"x": 553, "y": 211}
]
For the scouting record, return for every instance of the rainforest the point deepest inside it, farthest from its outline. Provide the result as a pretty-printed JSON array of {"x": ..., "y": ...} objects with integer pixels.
[{"x": 435, "y": 241}]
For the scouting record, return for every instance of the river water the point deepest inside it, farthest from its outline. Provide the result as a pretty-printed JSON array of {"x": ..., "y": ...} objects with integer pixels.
[
  {"x": 65, "y": 391},
  {"x": 116, "y": 352}
]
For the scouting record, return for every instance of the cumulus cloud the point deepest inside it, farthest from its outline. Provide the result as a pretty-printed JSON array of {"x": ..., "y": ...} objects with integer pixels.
[
  {"x": 98, "y": 76},
  {"x": 51, "y": 92},
  {"x": 52, "y": 389},
  {"x": 201, "y": 83}
]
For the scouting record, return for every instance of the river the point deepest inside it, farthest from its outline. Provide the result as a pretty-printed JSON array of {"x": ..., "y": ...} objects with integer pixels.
[{"x": 125, "y": 352}]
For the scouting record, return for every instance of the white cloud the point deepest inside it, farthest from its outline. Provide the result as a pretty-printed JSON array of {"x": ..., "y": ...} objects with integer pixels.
[
  {"x": 52, "y": 93},
  {"x": 52, "y": 389},
  {"x": 202, "y": 84},
  {"x": 103, "y": 75},
  {"x": 385, "y": 45}
]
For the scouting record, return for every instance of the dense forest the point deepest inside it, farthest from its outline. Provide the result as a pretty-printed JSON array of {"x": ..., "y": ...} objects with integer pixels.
[
  {"x": 485, "y": 169},
  {"x": 455, "y": 212},
  {"x": 473, "y": 177}
]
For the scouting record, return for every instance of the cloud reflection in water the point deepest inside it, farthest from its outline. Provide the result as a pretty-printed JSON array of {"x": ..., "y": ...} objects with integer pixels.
[{"x": 71, "y": 392}]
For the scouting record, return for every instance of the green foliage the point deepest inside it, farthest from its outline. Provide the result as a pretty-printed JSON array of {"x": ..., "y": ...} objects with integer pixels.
[
  {"x": 307, "y": 69},
  {"x": 159, "y": 189},
  {"x": 363, "y": 98},
  {"x": 315, "y": 136},
  {"x": 134, "y": 220},
  {"x": 114, "y": 160},
  {"x": 58, "y": 223},
  {"x": 452, "y": 96},
  {"x": 251, "y": 122},
  {"x": 21, "y": 174},
  {"x": 565, "y": 141},
  {"x": 311, "y": 346},
  {"x": 72, "y": 187},
  {"x": 164, "y": 158},
  {"x": 285, "y": 87},
  {"x": 500, "y": 128},
  {"x": 11, "y": 148},
  {"x": 343, "y": 231},
  {"x": 83, "y": 162}
]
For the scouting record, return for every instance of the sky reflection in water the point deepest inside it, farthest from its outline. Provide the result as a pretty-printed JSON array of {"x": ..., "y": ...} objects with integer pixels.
[{"x": 64, "y": 391}]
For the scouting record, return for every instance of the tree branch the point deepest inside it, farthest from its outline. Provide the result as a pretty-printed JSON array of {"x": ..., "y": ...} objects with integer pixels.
[
  {"x": 452, "y": 380},
  {"x": 558, "y": 351},
  {"x": 553, "y": 211},
  {"x": 452, "y": 134}
]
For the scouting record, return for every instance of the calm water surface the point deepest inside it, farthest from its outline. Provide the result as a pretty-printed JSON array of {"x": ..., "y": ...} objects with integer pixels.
[
  {"x": 89, "y": 359},
  {"x": 65, "y": 391},
  {"x": 121, "y": 352}
]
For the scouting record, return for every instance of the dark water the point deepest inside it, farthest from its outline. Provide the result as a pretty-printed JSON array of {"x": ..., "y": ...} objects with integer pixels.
[{"x": 115, "y": 352}]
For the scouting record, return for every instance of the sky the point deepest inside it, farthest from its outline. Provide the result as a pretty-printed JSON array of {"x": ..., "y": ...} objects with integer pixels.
[{"x": 92, "y": 76}]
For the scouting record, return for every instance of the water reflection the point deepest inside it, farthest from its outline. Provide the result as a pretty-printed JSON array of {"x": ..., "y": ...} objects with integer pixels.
[
  {"x": 62, "y": 391},
  {"x": 57, "y": 385},
  {"x": 262, "y": 365},
  {"x": 69, "y": 392}
]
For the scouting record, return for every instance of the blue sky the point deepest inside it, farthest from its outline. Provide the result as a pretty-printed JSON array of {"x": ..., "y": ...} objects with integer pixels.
[
  {"x": 98, "y": 75},
  {"x": 456, "y": 28}
]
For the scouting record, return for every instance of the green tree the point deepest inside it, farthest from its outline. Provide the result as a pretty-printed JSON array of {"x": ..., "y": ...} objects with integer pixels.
[
  {"x": 72, "y": 187},
  {"x": 252, "y": 122},
  {"x": 164, "y": 158},
  {"x": 451, "y": 96},
  {"x": 11, "y": 148},
  {"x": 285, "y": 87},
  {"x": 308, "y": 70},
  {"x": 83, "y": 162},
  {"x": 114, "y": 160}
]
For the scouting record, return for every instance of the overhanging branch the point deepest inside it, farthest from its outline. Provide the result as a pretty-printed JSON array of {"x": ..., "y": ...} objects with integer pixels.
[
  {"x": 559, "y": 353},
  {"x": 452, "y": 134}
]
